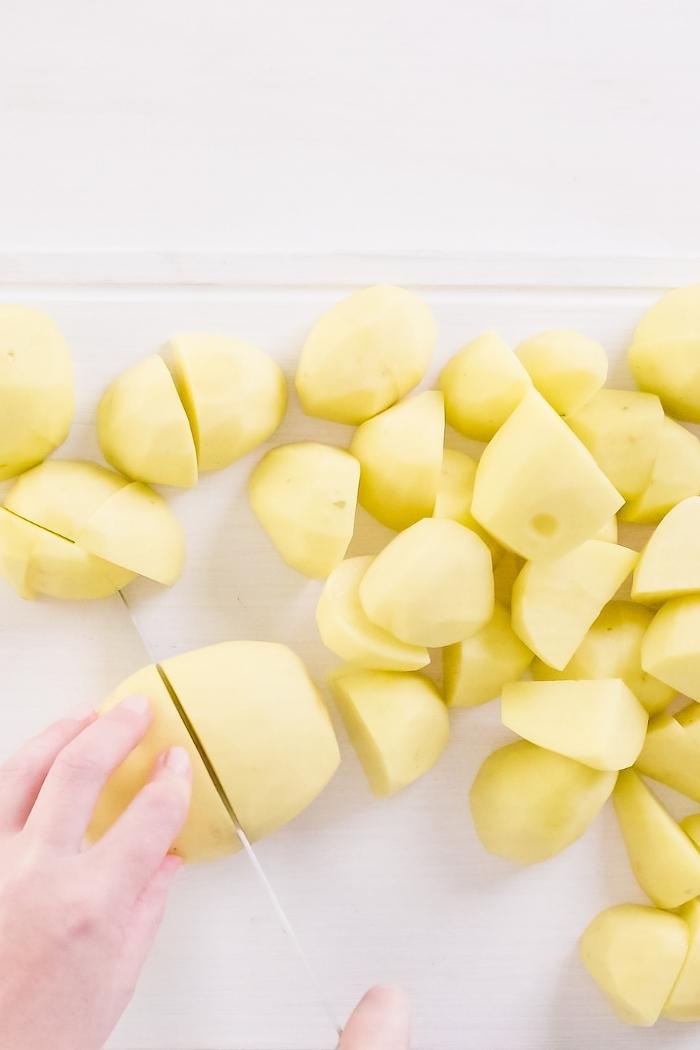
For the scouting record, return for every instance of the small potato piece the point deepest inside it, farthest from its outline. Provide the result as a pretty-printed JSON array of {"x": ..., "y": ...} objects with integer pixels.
[
  {"x": 529, "y": 804},
  {"x": 613, "y": 649},
  {"x": 670, "y": 649},
  {"x": 675, "y": 476},
  {"x": 669, "y": 565},
  {"x": 400, "y": 456},
  {"x": 622, "y": 431},
  {"x": 665, "y": 353},
  {"x": 671, "y": 755},
  {"x": 538, "y": 490},
  {"x": 346, "y": 630},
  {"x": 665, "y": 862},
  {"x": 365, "y": 353},
  {"x": 396, "y": 722},
  {"x": 234, "y": 394},
  {"x": 454, "y": 496},
  {"x": 683, "y": 1004},
  {"x": 555, "y": 600},
  {"x": 432, "y": 585},
  {"x": 635, "y": 954},
  {"x": 143, "y": 429},
  {"x": 37, "y": 395},
  {"x": 475, "y": 670},
  {"x": 599, "y": 723},
  {"x": 482, "y": 385},
  {"x": 566, "y": 367},
  {"x": 305, "y": 497}
]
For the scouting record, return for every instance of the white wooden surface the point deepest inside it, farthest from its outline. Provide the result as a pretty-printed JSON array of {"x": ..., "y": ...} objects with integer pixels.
[{"x": 395, "y": 890}]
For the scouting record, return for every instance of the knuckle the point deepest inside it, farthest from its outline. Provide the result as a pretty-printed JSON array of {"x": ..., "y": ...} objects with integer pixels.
[
  {"x": 78, "y": 766},
  {"x": 162, "y": 802},
  {"x": 24, "y": 762}
]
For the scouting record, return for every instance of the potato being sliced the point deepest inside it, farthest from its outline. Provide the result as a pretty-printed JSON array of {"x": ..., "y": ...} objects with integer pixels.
[
  {"x": 635, "y": 954},
  {"x": 665, "y": 353},
  {"x": 365, "y": 353},
  {"x": 400, "y": 455},
  {"x": 665, "y": 861},
  {"x": 555, "y": 600},
  {"x": 347, "y": 631},
  {"x": 538, "y": 490},
  {"x": 432, "y": 585},
  {"x": 396, "y": 722},
  {"x": 454, "y": 496},
  {"x": 482, "y": 385},
  {"x": 529, "y": 804},
  {"x": 475, "y": 670},
  {"x": 669, "y": 565},
  {"x": 17, "y": 539},
  {"x": 566, "y": 367},
  {"x": 670, "y": 649},
  {"x": 675, "y": 476},
  {"x": 305, "y": 496},
  {"x": 143, "y": 429},
  {"x": 671, "y": 755}
]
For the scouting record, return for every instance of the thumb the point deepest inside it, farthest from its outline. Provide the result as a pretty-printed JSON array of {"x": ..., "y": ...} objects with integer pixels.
[{"x": 379, "y": 1022}]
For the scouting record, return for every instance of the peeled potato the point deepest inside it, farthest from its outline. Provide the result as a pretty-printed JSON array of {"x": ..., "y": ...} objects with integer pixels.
[
  {"x": 635, "y": 954},
  {"x": 670, "y": 648},
  {"x": 664, "y": 860},
  {"x": 305, "y": 496},
  {"x": 555, "y": 600},
  {"x": 528, "y": 803},
  {"x": 566, "y": 367},
  {"x": 400, "y": 456},
  {"x": 505, "y": 573},
  {"x": 608, "y": 532},
  {"x": 683, "y": 1004},
  {"x": 61, "y": 495},
  {"x": 396, "y": 722},
  {"x": 671, "y": 755},
  {"x": 622, "y": 431},
  {"x": 537, "y": 489},
  {"x": 37, "y": 396},
  {"x": 454, "y": 496},
  {"x": 665, "y": 353},
  {"x": 432, "y": 585},
  {"x": 674, "y": 477},
  {"x": 669, "y": 565},
  {"x": 365, "y": 353},
  {"x": 475, "y": 670},
  {"x": 482, "y": 385},
  {"x": 143, "y": 429},
  {"x": 346, "y": 630},
  {"x": 234, "y": 394},
  {"x": 17, "y": 540},
  {"x": 599, "y": 723},
  {"x": 612, "y": 648}
]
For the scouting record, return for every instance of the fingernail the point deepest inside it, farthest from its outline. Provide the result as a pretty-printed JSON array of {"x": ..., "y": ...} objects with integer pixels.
[
  {"x": 140, "y": 705},
  {"x": 82, "y": 713},
  {"x": 178, "y": 761}
]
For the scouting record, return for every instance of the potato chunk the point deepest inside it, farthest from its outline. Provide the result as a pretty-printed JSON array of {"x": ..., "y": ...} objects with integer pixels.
[
  {"x": 482, "y": 385},
  {"x": 566, "y": 367},
  {"x": 665, "y": 353}
]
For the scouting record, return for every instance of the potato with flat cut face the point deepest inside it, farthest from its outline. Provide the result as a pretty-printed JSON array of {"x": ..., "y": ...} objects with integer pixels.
[
  {"x": 670, "y": 647},
  {"x": 675, "y": 476},
  {"x": 671, "y": 755},
  {"x": 669, "y": 565},
  {"x": 566, "y": 367},
  {"x": 61, "y": 495},
  {"x": 665, "y": 353},
  {"x": 483, "y": 383}
]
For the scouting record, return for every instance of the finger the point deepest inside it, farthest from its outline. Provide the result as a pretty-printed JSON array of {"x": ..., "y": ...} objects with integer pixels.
[
  {"x": 67, "y": 798},
  {"x": 133, "y": 849},
  {"x": 379, "y": 1022},
  {"x": 22, "y": 776}
]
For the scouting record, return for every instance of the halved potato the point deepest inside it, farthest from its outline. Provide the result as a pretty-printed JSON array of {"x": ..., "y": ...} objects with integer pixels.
[
  {"x": 665, "y": 353},
  {"x": 482, "y": 385},
  {"x": 475, "y": 670},
  {"x": 565, "y": 366},
  {"x": 669, "y": 565},
  {"x": 61, "y": 495},
  {"x": 674, "y": 477}
]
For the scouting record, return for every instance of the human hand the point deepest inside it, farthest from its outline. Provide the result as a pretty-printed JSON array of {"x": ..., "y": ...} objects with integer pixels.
[
  {"x": 76, "y": 924},
  {"x": 379, "y": 1021}
]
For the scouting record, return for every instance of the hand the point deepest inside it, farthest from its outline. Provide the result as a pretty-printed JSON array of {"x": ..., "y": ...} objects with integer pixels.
[
  {"x": 379, "y": 1022},
  {"x": 76, "y": 924}
]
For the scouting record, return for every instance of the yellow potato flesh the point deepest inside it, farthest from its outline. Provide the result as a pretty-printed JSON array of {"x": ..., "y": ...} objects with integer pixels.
[
  {"x": 670, "y": 649},
  {"x": 565, "y": 366},
  {"x": 671, "y": 755},
  {"x": 608, "y": 532},
  {"x": 538, "y": 490},
  {"x": 365, "y": 353},
  {"x": 529, "y": 804},
  {"x": 136, "y": 529},
  {"x": 483, "y": 383},
  {"x": 400, "y": 455},
  {"x": 665, "y": 862},
  {"x": 635, "y": 954},
  {"x": 37, "y": 397},
  {"x": 208, "y": 831},
  {"x": 505, "y": 573},
  {"x": 612, "y": 648},
  {"x": 234, "y": 394},
  {"x": 555, "y": 600},
  {"x": 62, "y": 495},
  {"x": 601, "y": 723},
  {"x": 669, "y": 565},
  {"x": 305, "y": 498},
  {"x": 143, "y": 429},
  {"x": 665, "y": 353},
  {"x": 17, "y": 539},
  {"x": 262, "y": 724},
  {"x": 396, "y": 722},
  {"x": 674, "y": 477},
  {"x": 475, "y": 670},
  {"x": 346, "y": 630},
  {"x": 432, "y": 585},
  {"x": 454, "y": 496},
  {"x": 683, "y": 1004}
]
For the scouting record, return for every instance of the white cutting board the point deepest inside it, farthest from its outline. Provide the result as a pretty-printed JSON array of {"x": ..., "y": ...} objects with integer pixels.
[{"x": 397, "y": 890}]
